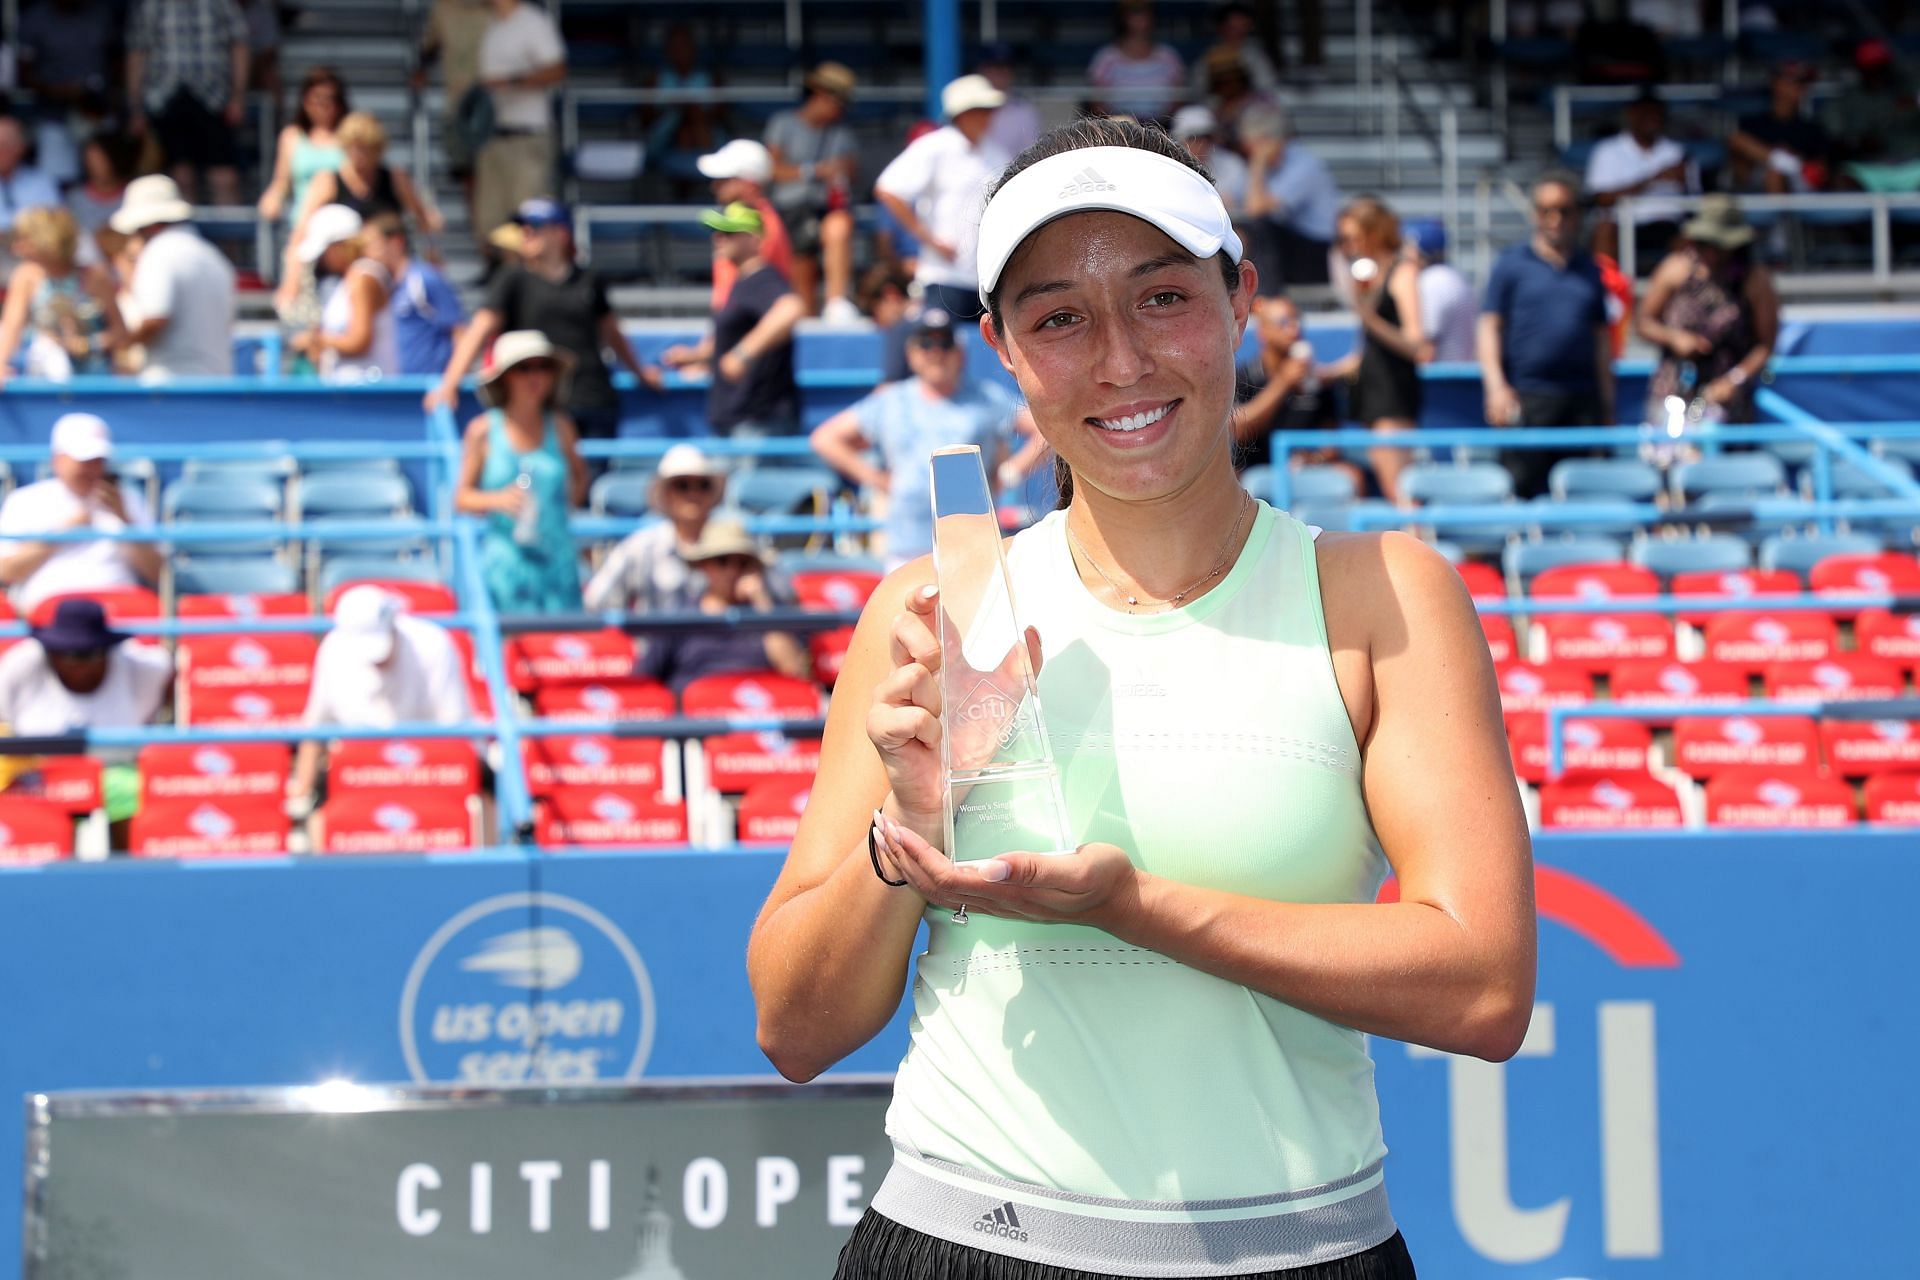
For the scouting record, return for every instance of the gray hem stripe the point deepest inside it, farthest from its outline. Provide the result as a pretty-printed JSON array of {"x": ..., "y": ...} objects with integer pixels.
[{"x": 1055, "y": 1228}]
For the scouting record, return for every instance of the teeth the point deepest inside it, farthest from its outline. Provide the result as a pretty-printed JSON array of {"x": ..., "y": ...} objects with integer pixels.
[{"x": 1134, "y": 422}]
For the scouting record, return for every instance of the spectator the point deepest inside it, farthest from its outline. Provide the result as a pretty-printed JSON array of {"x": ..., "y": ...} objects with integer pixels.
[
  {"x": 1280, "y": 390},
  {"x": 378, "y": 667},
  {"x": 427, "y": 315},
  {"x": 1447, "y": 304},
  {"x": 364, "y": 184},
  {"x": 1780, "y": 150},
  {"x": 680, "y": 133},
  {"x": 1385, "y": 379},
  {"x": 106, "y": 166},
  {"x": 1016, "y": 125},
  {"x": 740, "y": 171},
  {"x": 1136, "y": 75},
  {"x": 522, "y": 64},
  {"x": 1713, "y": 312},
  {"x": 886, "y": 295},
  {"x": 1545, "y": 347},
  {"x": 1241, "y": 113},
  {"x": 646, "y": 573},
  {"x": 734, "y": 574},
  {"x": 263, "y": 45},
  {"x": 521, "y": 468},
  {"x": 452, "y": 39},
  {"x": 66, "y": 50},
  {"x": 904, "y": 422},
  {"x": 75, "y": 674},
  {"x": 814, "y": 161},
  {"x": 1874, "y": 124},
  {"x": 750, "y": 348},
  {"x": 309, "y": 146},
  {"x": 1197, "y": 128},
  {"x": 1292, "y": 203},
  {"x": 936, "y": 189},
  {"x": 354, "y": 341},
  {"x": 179, "y": 303},
  {"x": 1641, "y": 162},
  {"x": 21, "y": 185},
  {"x": 1233, "y": 36},
  {"x": 551, "y": 293},
  {"x": 79, "y": 495},
  {"x": 67, "y": 320},
  {"x": 187, "y": 63}
]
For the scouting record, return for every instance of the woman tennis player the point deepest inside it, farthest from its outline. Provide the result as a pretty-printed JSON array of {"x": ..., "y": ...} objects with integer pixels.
[{"x": 1147, "y": 1058}]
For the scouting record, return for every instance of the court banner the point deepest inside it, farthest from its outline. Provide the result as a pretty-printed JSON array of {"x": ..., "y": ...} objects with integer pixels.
[{"x": 646, "y": 1182}]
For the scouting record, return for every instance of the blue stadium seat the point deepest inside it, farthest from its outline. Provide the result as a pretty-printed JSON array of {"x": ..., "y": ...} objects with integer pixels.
[
  {"x": 360, "y": 494},
  {"x": 338, "y": 569},
  {"x": 272, "y": 470},
  {"x": 778, "y": 490},
  {"x": 1524, "y": 561},
  {"x": 226, "y": 501},
  {"x": 1800, "y": 554},
  {"x": 622, "y": 493},
  {"x": 1339, "y": 515},
  {"x": 1576, "y": 478},
  {"x": 1321, "y": 484},
  {"x": 1713, "y": 553},
  {"x": 1476, "y": 483},
  {"x": 1851, "y": 480},
  {"x": 1754, "y": 474},
  {"x": 1623, "y": 521},
  {"x": 317, "y": 466},
  {"x": 234, "y": 575}
]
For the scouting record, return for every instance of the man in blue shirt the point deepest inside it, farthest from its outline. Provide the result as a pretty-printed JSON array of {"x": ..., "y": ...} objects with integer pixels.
[
  {"x": 427, "y": 316},
  {"x": 906, "y": 421},
  {"x": 1546, "y": 357},
  {"x": 1291, "y": 207}
]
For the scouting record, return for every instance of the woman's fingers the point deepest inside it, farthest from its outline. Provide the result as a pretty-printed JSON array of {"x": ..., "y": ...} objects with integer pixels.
[
  {"x": 910, "y": 685},
  {"x": 891, "y": 728},
  {"x": 914, "y": 637}
]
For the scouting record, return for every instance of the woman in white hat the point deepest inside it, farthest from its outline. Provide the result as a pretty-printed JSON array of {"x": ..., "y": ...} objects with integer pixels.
[
  {"x": 646, "y": 573},
  {"x": 1148, "y": 1056},
  {"x": 354, "y": 341},
  {"x": 732, "y": 573},
  {"x": 520, "y": 467}
]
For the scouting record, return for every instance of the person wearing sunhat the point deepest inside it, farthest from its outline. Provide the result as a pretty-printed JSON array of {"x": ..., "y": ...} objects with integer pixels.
[
  {"x": 354, "y": 341},
  {"x": 750, "y": 347},
  {"x": 740, "y": 171},
  {"x": 179, "y": 305},
  {"x": 646, "y": 573},
  {"x": 1198, "y": 129},
  {"x": 1713, "y": 313},
  {"x": 520, "y": 467},
  {"x": 75, "y": 673},
  {"x": 80, "y": 494},
  {"x": 733, "y": 569},
  {"x": 935, "y": 189},
  {"x": 814, "y": 164}
]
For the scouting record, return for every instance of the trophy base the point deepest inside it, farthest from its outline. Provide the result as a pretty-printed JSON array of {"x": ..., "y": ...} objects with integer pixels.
[{"x": 1009, "y": 809}]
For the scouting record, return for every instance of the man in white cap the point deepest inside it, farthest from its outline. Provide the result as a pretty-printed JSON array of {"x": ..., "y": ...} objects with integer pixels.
[
  {"x": 379, "y": 666},
  {"x": 79, "y": 495},
  {"x": 937, "y": 187},
  {"x": 1197, "y": 127},
  {"x": 180, "y": 303},
  {"x": 646, "y": 572},
  {"x": 740, "y": 172}
]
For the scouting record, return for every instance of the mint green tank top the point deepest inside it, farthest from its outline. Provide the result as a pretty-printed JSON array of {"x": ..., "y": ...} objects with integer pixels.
[{"x": 1133, "y": 1112}]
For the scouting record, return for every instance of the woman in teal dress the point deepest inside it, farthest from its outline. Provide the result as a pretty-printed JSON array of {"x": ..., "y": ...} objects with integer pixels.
[
  {"x": 521, "y": 469},
  {"x": 307, "y": 146}
]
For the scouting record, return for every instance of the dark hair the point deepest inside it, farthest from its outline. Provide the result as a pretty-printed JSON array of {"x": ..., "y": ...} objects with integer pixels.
[
  {"x": 1561, "y": 178},
  {"x": 1098, "y": 131},
  {"x": 315, "y": 78},
  {"x": 121, "y": 151}
]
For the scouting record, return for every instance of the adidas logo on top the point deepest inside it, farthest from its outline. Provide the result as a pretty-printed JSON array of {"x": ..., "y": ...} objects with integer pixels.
[
  {"x": 1086, "y": 182},
  {"x": 1002, "y": 1222}
]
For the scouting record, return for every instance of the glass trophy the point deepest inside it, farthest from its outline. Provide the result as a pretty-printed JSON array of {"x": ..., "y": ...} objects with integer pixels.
[{"x": 1003, "y": 791}]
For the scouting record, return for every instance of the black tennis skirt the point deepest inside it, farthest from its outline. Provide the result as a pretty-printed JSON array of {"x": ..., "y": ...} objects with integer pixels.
[{"x": 882, "y": 1249}]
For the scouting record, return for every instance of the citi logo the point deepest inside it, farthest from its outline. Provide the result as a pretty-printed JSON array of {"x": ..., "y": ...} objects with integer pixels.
[
  {"x": 1085, "y": 182},
  {"x": 1002, "y": 1222}
]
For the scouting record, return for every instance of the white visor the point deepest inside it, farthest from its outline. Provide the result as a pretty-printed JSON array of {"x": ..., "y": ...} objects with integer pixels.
[{"x": 1150, "y": 186}]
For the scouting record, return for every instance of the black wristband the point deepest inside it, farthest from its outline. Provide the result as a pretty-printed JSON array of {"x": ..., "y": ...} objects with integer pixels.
[{"x": 873, "y": 856}]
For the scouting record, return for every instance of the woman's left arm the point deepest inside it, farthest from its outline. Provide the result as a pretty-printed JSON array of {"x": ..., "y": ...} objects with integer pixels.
[
  {"x": 1408, "y": 340},
  {"x": 369, "y": 298},
  {"x": 1451, "y": 963},
  {"x": 1764, "y": 305},
  {"x": 418, "y": 206},
  {"x": 569, "y": 436}
]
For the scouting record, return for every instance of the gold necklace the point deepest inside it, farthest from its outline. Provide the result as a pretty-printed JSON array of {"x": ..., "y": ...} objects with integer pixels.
[{"x": 1178, "y": 597}]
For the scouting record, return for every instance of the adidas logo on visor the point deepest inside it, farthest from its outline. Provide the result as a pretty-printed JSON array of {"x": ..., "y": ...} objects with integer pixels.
[
  {"x": 1084, "y": 183},
  {"x": 1002, "y": 1222}
]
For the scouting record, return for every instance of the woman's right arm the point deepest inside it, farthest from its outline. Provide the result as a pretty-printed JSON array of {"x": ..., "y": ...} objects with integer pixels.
[
  {"x": 470, "y": 498},
  {"x": 829, "y": 954},
  {"x": 274, "y": 198},
  {"x": 21, "y": 286},
  {"x": 1661, "y": 287}
]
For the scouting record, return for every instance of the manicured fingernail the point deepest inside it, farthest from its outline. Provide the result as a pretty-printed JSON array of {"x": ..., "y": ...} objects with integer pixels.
[
  {"x": 929, "y": 591},
  {"x": 994, "y": 869}
]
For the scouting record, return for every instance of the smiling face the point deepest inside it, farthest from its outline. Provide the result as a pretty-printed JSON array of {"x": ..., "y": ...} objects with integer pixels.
[{"x": 1123, "y": 344}]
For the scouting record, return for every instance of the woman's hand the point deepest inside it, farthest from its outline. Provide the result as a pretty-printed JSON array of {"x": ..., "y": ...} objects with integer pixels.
[
  {"x": 271, "y": 204},
  {"x": 904, "y": 721},
  {"x": 1688, "y": 346},
  {"x": 1720, "y": 391},
  {"x": 1096, "y": 884},
  {"x": 508, "y": 501},
  {"x": 731, "y": 366}
]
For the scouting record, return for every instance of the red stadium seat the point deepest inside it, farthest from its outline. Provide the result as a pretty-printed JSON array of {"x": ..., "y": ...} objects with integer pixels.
[
  {"x": 33, "y": 831},
  {"x": 1841, "y": 677},
  {"x": 1879, "y": 574},
  {"x": 1752, "y": 641},
  {"x": 213, "y": 771},
  {"x": 1589, "y": 747},
  {"x": 247, "y": 661},
  {"x": 1894, "y": 797},
  {"x": 1706, "y": 745},
  {"x": 257, "y": 708},
  {"x": 771, "y": 811},
  {"x": 1678, "y": 682},
  {"x": 1596, "y": 641},
  {"x": 607, "y": 700},
  {"x": 828, "y": 650},
  {"x": 736, "y": 762},
  {"x": 421, "y": 821},
  {"x": 609, "y": 816},
  {"x": 834, "y": 590},
  {"x": 122, "y": 604},
  {"x": 1891, "y": 637},
  {"x": 1528, "y": 688},
  {"x": 568, "y": 657},
  {"x": 592, "y": 760},
  {"x": 1731, "y": 585},
  {"x": 1484, "y": 582},
  {"x": 1501, "y": 644},
  {"x": 1594, "y": 582},
  {"x": 750, "y": 693},
  {"x": 1622, "y": 802},
  {"x": 255, "y": 605},
  {"x": 424, "y": 598},
  {"x": 245, "y": 825},
  {"x": 69, "y": 783},
  {"x": 404, "y": 764},
  {"x": 1778, "y": 798},
  {"x": 1858, "y": 748}
]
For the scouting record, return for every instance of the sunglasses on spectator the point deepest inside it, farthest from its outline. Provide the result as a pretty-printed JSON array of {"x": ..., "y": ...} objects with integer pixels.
[
  {"x": 689, "y": 484},
  {"x": 740, "y": 562},
  {"x": 534, "y": 366}
]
